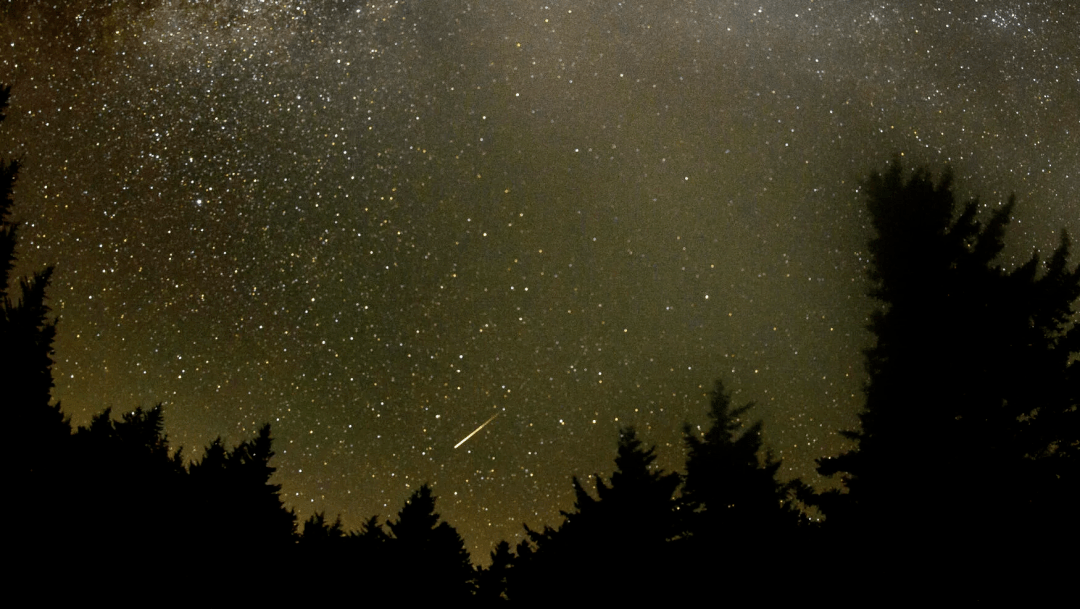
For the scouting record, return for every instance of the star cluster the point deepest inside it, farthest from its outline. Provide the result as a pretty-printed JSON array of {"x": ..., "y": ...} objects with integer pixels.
[{"x": 377, "y": 224}]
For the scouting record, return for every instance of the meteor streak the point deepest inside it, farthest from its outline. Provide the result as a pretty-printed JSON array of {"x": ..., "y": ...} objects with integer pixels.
[{"x": 476, "y": 430}]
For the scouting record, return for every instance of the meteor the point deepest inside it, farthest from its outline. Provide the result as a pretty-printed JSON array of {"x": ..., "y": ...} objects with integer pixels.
[{"x": 476, "y": 430}]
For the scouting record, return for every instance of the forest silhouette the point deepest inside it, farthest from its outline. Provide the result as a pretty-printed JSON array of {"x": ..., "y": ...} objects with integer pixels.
[{"x": 969, "y": 436}]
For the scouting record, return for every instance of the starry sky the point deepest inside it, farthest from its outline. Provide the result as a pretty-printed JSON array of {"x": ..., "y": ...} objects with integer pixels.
[{"x": 376, "y": 225}]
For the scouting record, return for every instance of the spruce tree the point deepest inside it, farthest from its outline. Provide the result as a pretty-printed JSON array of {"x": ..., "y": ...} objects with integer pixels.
[
  {"x": 26, "y": 336},
  {"x": 231, "y": 498},
  {"x": 620, "y": 537},
  {"x": 320, "y": 533},
  {"x": 640, "y": 497},
  {"x": 970, "y": 422},
  {"x": 256, "y": 501},
  {"x": 129, "y": 488},
  {"x": 428, "y": 551},
  {"x": 126, "y": 481},
  {"x": 732, "y": 494},
  {"x": 42, "y": 434},
  {"x": 492, "y": 581}
]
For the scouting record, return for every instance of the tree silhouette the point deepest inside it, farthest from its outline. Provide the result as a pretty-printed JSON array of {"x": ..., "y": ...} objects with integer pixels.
[
  {"x": 128, "y": 484},
  {"x": 232, "y": 498},
  {"x": 318, "y": 532},
  {"x": 430, "y": 550},
  {"x": 640, "y": 496},
  {"x": 732, "y": 495},
  {"x": 41, "y": 433},
  {"x": 26, "y": 335},
  {"x": 492, "y": 582},
  {"x": 371, "y": 537},
  {"x": 619, "y": 538},
  {"x": 970, "y": 423},
  {"x": 114, "y": 482}
]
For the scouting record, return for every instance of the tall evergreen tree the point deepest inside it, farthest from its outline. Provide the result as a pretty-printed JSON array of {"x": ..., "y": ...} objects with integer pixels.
[
  {"x": 129, "y": 488},
  {"x": 40, "y": 433},
  {"x": 732, "y": 494},
  {"x": 492, "y": 581},
  {"x": 620, "y": 537},
  {"x": 233, "y": 498},
  {"x": 371, "y": 537},
  {"x": 970, "y": 424},
  {"x": 429, "y": 551},
  {"x": 126, "y": 481},
  {"x": 26, "y": 335},
  {"x": 320, "y": 533},
  {"x": 640, "y": 497}
]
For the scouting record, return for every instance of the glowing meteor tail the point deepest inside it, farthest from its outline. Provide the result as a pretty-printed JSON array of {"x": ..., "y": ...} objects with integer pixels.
[{"x": 476, "y": 430}]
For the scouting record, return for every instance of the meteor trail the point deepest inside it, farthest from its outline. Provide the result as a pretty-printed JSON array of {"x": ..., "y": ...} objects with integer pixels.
[{"x": 476, "y": 430}]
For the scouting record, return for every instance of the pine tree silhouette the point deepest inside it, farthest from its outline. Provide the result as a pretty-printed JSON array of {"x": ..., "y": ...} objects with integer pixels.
[
  {"x": 640, "y": 496},
  {"x": 970, "y": 423},
  {"x": 127, "y": 482},
  {"x": 115, "y": 483},
  {"x": 26, "y": 336},
  {"x": 230, "y": 498},
  {"x": 731, "y": 495},
  {"x": 320, "y": 533},
  {"x": 492, "y": 581},
  {"x": 430, "y": 554},
  {"x": 41, "y": 434},
  {"x": 371, "y": 536},
  {"x": 258, "y": 514},
  {"x": 619, "y": 538}
]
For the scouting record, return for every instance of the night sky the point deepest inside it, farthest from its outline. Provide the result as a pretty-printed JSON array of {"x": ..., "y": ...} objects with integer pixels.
[{"x": 376, "y": 225}]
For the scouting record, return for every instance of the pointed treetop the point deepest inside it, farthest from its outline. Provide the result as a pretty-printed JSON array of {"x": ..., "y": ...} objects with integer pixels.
[{"x": 417, "y": 518}]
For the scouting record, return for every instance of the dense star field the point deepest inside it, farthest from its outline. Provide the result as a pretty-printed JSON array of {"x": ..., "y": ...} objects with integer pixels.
[{"x": 377, "y": 225}]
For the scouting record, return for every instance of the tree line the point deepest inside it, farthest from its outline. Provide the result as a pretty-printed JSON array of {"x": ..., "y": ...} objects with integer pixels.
[{"x": 969, "y": 435}]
